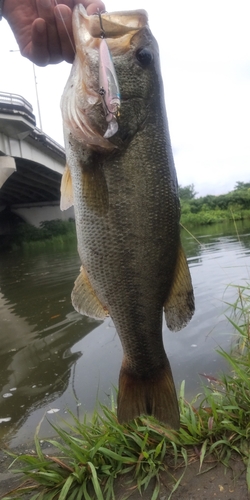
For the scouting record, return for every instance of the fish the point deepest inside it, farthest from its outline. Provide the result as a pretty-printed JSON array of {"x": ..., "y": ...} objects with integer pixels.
[{"x": 125, "y": 194}]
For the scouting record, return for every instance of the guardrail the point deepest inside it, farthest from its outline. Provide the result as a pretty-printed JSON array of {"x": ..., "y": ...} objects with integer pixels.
[
  {"x": 40, "y": 136},
  {"x": 15, "y": 100},
  {"x": 16, "y": 104}
]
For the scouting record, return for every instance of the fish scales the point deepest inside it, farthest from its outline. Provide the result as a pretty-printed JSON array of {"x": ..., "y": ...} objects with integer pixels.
[
  {"x": 127, "y": 218},
  {"x": 122, "y": 251}
]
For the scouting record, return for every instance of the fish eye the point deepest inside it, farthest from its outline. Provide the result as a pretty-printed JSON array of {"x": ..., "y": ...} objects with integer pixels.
[{"x": 144, "y": 57}]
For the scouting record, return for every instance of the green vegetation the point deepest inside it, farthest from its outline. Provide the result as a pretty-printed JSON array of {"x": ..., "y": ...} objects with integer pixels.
[
  {"x": 54, "y": 232},
  {"x": 91, "y": 456},
  {"x": 210, "y": 209}
]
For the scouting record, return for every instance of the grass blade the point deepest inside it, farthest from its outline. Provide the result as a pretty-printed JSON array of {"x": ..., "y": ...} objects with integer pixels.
[
  {"x": 95, "y": 482},
  {"x": 66, "y": 487}
]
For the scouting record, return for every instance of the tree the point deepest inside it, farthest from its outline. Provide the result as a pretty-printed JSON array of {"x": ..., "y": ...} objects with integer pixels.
[
  {"x": 241, "y": 185},
  {"x": 187, "y": 192}
]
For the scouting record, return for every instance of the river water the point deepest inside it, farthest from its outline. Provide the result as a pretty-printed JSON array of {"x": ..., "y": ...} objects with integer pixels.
[{"x": 54, "y": 359}]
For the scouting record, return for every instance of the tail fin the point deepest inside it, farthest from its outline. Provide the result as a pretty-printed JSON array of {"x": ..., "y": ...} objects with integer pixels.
[{"x": 149, "y": 396}]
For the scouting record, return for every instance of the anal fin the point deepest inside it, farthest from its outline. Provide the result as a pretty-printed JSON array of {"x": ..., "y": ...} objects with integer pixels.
[
  {"x": 179, "y": 306},
  {"x": 84, "y": 298}
]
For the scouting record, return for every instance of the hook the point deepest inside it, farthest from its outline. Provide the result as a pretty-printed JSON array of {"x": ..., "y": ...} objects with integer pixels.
[{"x": 101, "y": 25}]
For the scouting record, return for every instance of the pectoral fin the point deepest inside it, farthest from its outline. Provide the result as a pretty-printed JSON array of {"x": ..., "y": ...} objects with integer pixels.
[
  {"x": 179, "y": 306},
  {"x": 95, "y": 188},
  {"x": 85, "y": 300},
  {"x": 67, "y": 199}
]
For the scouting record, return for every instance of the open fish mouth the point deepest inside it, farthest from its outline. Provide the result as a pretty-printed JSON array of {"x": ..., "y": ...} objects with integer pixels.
[{"x": 83, "y": 107}]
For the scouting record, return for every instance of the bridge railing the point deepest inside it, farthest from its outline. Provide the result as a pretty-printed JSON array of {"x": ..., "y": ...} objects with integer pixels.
[
  {"x": 47, "y": 141},
  {"x": 16, "y": 104},
  {"x": 15, "y": 100}
]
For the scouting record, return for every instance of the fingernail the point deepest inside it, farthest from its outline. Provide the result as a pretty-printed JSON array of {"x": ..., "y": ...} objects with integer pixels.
[
  {"x": 62, "y": 12},
  {"x": 94, "y": 7},
  {"x": 46, "y": 4},
  {"x": 40, "y": 26}
]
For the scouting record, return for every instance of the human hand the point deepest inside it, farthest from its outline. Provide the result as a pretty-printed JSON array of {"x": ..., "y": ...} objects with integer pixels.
[{"x": 43, "y": 28}]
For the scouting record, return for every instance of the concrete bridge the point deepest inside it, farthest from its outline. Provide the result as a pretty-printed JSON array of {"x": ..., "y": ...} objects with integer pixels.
[{"x": 32, "y": 191}]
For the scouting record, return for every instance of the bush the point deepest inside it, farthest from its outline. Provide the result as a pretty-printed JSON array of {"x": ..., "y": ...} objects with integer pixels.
[{"x": 27, "y": 235}]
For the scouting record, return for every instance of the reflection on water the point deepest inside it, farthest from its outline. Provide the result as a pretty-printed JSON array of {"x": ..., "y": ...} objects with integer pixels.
[{"x": 52, "y": 357}]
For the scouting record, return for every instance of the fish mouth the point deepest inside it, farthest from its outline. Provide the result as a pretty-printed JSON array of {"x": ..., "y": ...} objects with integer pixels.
[
  {"x": 114, "y": 25},
  {"x": 81, "y": 102}
]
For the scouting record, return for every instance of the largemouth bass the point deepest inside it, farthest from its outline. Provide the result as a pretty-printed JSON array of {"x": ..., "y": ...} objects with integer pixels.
[{"x": 125, "y": 195}]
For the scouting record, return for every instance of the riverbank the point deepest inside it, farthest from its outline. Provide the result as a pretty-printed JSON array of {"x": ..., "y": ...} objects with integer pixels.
[
  {"x": 207, "y": 217},
  {"x": 28, "y": 237},
  {"x": 208, "y": 458},
  {"x": 211, "y": 209},
  {"x": 221, "y": 430},
  {"x": 59, "y": 232},
  {"x": 214, "y": 481}
]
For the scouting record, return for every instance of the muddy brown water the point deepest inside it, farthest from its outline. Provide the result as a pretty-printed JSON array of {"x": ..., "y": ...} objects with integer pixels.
[{"x": 53, "y": 360}]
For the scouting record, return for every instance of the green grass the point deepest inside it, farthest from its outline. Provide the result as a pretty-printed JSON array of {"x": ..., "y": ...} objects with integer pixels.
[{"x": 90, "y": 456}]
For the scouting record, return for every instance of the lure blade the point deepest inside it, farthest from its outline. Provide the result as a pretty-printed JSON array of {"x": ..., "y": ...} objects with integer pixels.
[{"x": 109, "y": 88}]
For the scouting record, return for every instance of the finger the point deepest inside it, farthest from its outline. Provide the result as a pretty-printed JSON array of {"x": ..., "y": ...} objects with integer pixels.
[
  {"x": 38, "y": 52},
  {"x": 63, "y": 16},
  {"x": 69, "y": 3},
  {"x": 46, "y": 11},
  {"x": 92, "y": 7}
]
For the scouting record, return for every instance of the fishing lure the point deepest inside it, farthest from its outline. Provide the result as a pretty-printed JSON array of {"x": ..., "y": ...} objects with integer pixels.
[{"x": 109, "y": 87}]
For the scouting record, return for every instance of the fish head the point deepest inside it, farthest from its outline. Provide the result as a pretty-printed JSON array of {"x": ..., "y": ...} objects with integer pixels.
[
  {"x": 136, "y": 60},
  {"x": 80, "y": 102},
  {"x": 135, "y": 57}
]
